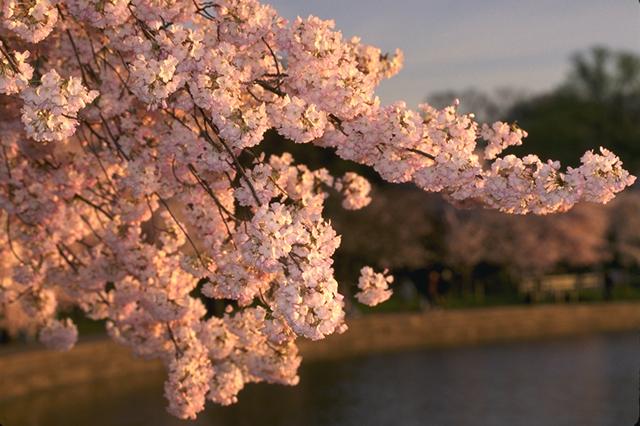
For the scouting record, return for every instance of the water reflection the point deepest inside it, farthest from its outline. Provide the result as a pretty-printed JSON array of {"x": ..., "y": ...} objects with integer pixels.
[{"x": 584, "y": 381}]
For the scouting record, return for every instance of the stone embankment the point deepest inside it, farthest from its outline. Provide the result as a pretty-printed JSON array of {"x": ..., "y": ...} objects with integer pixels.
[{"x": 30, "y": 369}]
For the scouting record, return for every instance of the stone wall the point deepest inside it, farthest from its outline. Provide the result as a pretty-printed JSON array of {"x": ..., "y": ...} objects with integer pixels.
[{"x": 446, "y": 328}]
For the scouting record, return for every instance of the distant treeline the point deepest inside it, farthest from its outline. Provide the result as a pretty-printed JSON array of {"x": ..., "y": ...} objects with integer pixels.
[{"x": 598, "y": 104}]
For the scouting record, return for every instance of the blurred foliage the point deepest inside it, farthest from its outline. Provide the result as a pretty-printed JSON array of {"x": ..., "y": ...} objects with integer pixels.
[{"x": 597, "y": 105}]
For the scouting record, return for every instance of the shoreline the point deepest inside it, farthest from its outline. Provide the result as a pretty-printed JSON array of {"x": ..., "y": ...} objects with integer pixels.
[
  {"x": 469, "y": 327},
  {"x": 26, "y": 369}
]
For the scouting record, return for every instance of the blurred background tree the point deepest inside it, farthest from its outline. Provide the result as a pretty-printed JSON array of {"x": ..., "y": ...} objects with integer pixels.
[{"x": 597, "y": 105}]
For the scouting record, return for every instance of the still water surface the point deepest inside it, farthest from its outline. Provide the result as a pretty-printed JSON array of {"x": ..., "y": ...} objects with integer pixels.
[{"x": 581, "y": 381}]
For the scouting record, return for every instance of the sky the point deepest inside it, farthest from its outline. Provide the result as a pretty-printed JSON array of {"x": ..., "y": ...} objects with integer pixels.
[{"x": 485, "y": 44}]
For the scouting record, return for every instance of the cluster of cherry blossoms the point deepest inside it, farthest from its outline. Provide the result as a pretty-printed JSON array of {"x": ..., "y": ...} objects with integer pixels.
[
  {"x": 373, "y": 286},
  {"x": 15, "y": 72},
  {"x": 132, "y": 184},
  {"x": 49, "y": 110},
  {"x": 59, "y": 335}
]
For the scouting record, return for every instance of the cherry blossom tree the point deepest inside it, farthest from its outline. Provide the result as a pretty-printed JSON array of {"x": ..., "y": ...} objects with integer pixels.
[
  {"x": 132, "y": 183},
  {"x": 529, "y": 246},
  {"x": 625, "y": 229}
]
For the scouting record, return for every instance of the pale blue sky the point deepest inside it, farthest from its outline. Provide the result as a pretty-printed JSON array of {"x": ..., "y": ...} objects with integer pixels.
[{"x": 455, "y": 44}]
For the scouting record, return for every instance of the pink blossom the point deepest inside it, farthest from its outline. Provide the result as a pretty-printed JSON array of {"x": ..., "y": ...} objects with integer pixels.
[
  {"x": 373, "y": 286},
  {"x": 59, "y": 335}
]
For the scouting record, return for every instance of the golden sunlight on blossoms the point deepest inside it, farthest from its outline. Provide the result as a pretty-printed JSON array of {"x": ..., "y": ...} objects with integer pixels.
[{"x": 138, "y": 188}]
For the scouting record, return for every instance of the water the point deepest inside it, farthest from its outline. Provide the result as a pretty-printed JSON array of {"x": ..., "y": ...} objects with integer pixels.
[{"x": 582, "y": 381}]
